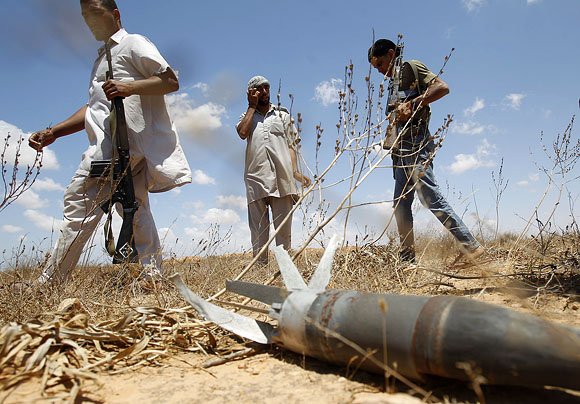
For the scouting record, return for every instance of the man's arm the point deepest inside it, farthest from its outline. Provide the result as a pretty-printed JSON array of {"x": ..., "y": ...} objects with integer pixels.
[
  {"x": 298, "y": 176},
  {"x": 161, "y": 84},
  {"x": 244, "y": 128},
  {"x": 437, "y": 89},
  {"x": 73, "y": 124}
]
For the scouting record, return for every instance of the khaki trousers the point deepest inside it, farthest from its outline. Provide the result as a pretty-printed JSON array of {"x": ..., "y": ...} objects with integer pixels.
[
  {"x": 82, "y": 212},
  {"x": 259, "y": 220}
]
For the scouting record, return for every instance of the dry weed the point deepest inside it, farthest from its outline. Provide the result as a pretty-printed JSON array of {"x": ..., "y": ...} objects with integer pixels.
[{"x": 65, "y": 337}]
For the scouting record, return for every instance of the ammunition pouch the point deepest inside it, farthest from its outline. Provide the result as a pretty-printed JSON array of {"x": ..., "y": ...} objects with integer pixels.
[
  {"x": 411, "y": 137},
  {"x": 412, "y": 132},
  {"x": 102, "y": 169}
]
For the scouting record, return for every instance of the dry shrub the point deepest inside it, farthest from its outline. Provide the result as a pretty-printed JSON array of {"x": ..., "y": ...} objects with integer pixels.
[{"x": 111, "y": 325}]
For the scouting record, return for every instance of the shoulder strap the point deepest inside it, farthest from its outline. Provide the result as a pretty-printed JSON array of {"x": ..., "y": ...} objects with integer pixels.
[{"x": 416, "y": 75}]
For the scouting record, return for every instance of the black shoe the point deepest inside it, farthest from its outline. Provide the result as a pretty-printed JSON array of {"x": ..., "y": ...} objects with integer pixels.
[{"x": 407, "y": 255}]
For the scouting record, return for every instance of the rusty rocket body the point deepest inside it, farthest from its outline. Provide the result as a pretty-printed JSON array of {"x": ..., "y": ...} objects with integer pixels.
[{"x": 418, "y": 336}]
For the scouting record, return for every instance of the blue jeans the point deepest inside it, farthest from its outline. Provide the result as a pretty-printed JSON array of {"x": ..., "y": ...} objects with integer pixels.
[{"x": 413, "y": 172}]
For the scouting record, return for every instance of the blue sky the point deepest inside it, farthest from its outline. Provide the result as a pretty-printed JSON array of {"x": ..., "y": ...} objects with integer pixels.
[{"x": 512, "y": 76}]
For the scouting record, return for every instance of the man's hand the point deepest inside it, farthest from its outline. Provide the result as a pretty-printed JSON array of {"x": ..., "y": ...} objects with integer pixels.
[
  {"x": 304, "y": 180},
  {"x": 404, "y": 111},
  {"x": 38, "y": 140},
  {"x": 253, "y": 97},
  {"x": 113, "y": 88}
]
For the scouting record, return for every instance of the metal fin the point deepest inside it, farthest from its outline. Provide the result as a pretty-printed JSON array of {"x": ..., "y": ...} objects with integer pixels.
[
  {"x": 321, "y": 277},
  {"x": 246, "y": 327},
  {"x": 262, "y": 293},
  {"x": 292, "y": 278}
]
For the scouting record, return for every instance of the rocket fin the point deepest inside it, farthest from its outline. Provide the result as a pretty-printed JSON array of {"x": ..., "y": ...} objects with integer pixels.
[
  {"x": 321, "y": 277},
  {"x": 246, "y": 327},
  {"x": 262, "y": 293},
  {"x": 292, "y": 277}
]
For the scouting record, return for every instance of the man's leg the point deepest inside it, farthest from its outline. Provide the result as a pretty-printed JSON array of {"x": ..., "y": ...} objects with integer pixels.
[
  {"x": 259, "y": 221},
  {"x": 144, "y": 229},
  {"x": 281, "y": 207},
  {"x": 81, "y": 215},
  {"x": 402, "y": 205},
  {"x": 431, "y": 197}
]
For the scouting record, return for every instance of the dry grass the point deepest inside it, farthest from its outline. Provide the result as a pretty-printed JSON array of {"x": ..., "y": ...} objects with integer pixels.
[{"x": 100, "y": 322}]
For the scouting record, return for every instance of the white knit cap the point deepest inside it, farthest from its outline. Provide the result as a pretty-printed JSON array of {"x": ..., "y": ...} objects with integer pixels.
[{"x": 257, "y": 81}]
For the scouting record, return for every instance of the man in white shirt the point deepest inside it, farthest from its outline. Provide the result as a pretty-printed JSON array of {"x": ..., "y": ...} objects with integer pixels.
[
  {"x": 142, "y": 78},
  {"x": 270, "y": 167}
]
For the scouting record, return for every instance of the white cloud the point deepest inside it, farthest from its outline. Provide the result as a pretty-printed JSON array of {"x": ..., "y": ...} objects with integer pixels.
[
  {"x": 466, "y": 162},
  {"x": 375, "y": 215},
  {"x": 31, "y": 200},
  {"x": 226, "y": 224},
  {"x": 477, "y": 105},
  {"x": 530, "y": 2},
  {"x": 27, "y": 154},
  {"x": 534, "y": 177},
  {"x": 42, "y": 221},
  {"x": 47, "y": 184},
  {"x": 8, "y": 228},
  {"x": 378, "y": 152},
  {"x": 232, "y": 201},
  {"x": 473, "y": 5},
  {"x": 215, "y": 239},
  {"x": 201, "y": 178},
  {"x": 486, "y": 223},
  {"x": 166, "y": 235},
  {"x": 469, "y": 128},
  {"x": 217, "y": 216},
  {"x": 327, "y": 92},
  {"x": 367, "y": 221},
  {"x": 171, "y": 243},
  {"x": 514, "y": 100},
  {"x": 481, "y": 158},
  {"x": 195, "y": 121},
  {"x": 203, "y": 87}
]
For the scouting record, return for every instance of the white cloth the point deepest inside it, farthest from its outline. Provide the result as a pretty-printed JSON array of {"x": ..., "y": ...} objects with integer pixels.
[
  {"x": 82, "y": 212},
  {"x": 152, "y": 135},
  {"x": 268, "y": 167}
]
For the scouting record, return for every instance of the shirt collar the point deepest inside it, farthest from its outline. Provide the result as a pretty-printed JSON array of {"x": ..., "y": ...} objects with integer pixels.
[{"x": 116, "y": 38}]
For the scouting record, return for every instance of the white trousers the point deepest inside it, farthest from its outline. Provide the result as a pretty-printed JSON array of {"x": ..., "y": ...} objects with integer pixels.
[
  {"x": 82, "y": 212},
  {"x": 259, "y": 221}
]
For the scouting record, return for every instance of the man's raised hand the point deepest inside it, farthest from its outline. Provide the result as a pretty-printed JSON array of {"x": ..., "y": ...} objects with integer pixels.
[{"x": 253, "y": 97}]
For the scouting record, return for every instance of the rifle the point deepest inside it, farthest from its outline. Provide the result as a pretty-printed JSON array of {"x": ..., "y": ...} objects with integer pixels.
[
  {"x": 121, "y": 177},
  {"x": 394, "y": 98},
  {"x": 396, "y": 129}
]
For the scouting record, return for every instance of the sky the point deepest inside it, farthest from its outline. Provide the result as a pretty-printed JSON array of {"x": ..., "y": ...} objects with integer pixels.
[{"x": 512, "y": 75}]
